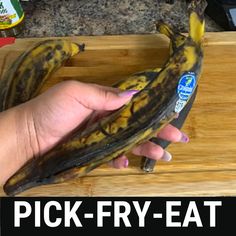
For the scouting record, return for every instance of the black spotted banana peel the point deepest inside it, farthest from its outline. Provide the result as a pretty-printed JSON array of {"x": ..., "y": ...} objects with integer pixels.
[
  {"x": 29, "y": 72},
  {"x": 139, "y": 120},
  {"x": 176, "y": 40},
  {"x": 139, "y": 80}
]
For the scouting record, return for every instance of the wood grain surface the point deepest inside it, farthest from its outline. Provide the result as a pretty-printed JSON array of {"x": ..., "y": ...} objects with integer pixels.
[{"x": 205, "y": 166}]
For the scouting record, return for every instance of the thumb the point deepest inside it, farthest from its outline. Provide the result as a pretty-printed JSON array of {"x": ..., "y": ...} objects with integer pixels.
[{"x": 96, "y": 97}]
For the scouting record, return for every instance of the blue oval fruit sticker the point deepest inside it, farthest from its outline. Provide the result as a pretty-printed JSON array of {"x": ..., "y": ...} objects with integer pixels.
[
  {"x": 186, "y": 86},
  {"x": 185, "y": 89}
]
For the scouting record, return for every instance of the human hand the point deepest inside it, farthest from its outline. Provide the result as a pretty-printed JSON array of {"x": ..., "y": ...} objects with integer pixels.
[
  {"x": 51, "y": 116},
  {"x": 60, "y": 110}
]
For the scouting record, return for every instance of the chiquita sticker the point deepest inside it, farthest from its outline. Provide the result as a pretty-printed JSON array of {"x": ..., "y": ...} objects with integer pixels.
[{"x": 185, "y": 89}]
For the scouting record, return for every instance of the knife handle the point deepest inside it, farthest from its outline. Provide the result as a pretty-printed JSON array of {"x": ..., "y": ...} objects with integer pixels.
[{"x": 148, "y": 164}]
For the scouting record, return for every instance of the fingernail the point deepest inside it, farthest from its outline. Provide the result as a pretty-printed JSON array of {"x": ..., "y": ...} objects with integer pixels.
[
  {"x": 184, "y": 138},
  {"x": 126, "y": 163},
  {"x": 166, "y": 156},
  {"x": 128, "y": 93}
]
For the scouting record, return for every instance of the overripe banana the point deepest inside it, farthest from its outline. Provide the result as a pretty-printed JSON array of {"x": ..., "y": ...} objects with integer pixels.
[
  {"x": 163, "y": 93},
  {"x": 29, "y": 72}
]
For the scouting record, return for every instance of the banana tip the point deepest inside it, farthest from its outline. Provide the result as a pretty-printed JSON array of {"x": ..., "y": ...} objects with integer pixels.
[{"x": 81, "y": 47}]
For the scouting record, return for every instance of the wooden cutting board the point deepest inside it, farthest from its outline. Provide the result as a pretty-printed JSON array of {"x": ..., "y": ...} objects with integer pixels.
[{"x": 206, "y": 166}]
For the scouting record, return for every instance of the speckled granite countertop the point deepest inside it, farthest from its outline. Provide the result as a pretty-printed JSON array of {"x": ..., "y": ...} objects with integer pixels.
[{"x": 103, "y": 17}]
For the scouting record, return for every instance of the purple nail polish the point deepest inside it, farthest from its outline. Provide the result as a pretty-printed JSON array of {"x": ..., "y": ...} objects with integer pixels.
[
  {"x": 126, "y": 163},
  {"x": 184, "y": 138},
  {"x": 128, "y": 93}
]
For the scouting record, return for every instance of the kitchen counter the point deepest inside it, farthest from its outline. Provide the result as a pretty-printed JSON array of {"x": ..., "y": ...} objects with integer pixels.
[{"x": 103, "y": 17}]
